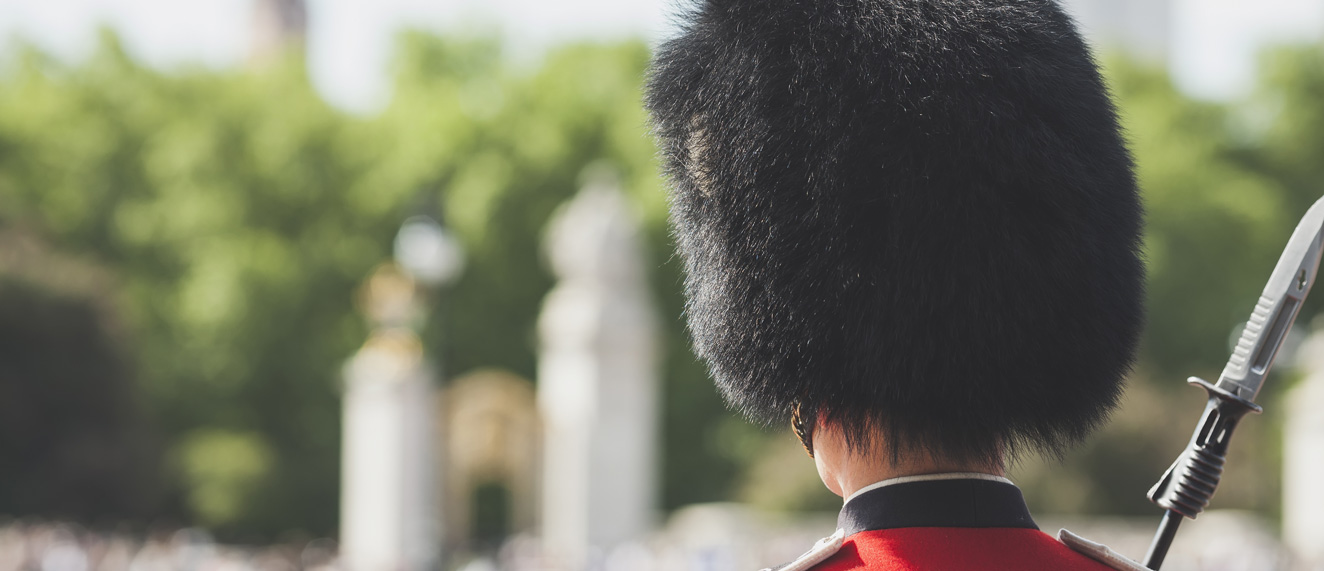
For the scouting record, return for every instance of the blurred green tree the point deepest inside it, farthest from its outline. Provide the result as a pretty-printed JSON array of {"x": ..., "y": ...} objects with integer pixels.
[
  {"x": 1214, "y": 227},
  {"x": 1217, "y": 220},
  {"x": 1285, "y": 121},
  {"x": 72, "y": 440},
  {"x": 221, "y": 203},
  {"x": 239, "y": 213}
]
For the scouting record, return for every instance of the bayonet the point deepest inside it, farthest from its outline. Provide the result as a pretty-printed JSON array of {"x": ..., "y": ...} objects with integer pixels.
[
  {"x": 1277, "y": 308},
  {"x": 1186, "y": 488}
]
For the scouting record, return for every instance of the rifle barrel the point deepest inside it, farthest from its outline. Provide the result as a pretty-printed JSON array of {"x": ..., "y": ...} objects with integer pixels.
[{"x": 1167, "y": 530}]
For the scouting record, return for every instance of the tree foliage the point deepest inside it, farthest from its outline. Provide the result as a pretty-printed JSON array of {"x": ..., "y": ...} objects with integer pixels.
[
  {"x": 1224, "y": 186},
  {"x": 239, "y": 213},
  {"x": 222, "y": 203}
]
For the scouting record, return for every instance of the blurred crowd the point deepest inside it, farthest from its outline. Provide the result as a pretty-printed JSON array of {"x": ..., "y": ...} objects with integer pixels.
[
  {"x": 715, "y": 537},
  {"x": 33, "y": 546}
]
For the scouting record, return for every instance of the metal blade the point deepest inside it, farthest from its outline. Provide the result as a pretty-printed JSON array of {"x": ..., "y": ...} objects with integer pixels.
[{"x": 1273, "y": 316}]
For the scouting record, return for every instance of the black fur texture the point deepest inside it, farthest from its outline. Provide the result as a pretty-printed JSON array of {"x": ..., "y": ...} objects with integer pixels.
[{"x": 917, "y": 216}]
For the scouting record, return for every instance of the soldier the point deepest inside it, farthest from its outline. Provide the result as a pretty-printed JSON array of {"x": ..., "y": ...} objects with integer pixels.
[{"x": 911, "y": 227}]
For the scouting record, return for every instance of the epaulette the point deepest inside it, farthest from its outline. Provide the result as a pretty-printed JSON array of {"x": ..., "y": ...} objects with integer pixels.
[
  {"x": 820, "y": 552},
  {"x": 1098, "y": 552}
]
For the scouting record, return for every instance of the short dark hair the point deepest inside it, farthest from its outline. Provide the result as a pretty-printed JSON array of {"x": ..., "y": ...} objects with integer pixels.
[{"x": 917, "y": 216}]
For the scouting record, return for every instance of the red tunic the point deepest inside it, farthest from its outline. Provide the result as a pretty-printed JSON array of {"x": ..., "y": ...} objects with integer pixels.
[
  {"x": 950, "y": 549},
  {"x": 946, "y": 525}
]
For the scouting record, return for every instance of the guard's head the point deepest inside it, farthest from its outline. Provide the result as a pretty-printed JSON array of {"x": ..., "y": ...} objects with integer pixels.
[{"x": 917, "y": 218}]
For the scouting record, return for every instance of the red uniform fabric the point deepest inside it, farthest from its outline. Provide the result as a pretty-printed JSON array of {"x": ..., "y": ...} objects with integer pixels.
[
  {"x": 946, "y": 522},
  {"x": 956, "y": 549}
]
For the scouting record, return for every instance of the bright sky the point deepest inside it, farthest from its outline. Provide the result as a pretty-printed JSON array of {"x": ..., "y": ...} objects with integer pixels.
[
  {"x": 350, "y": 40},
  {"x": 1215, "y": 40}
]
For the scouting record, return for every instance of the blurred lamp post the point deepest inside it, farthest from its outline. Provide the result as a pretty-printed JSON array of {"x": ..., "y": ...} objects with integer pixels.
[
  {"x": 428, "y": 252},
  {"x": 389, "y": 480}
]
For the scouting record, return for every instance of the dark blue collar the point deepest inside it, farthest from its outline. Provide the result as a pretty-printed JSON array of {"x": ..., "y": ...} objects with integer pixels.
[{"x": 937, "y": 503}]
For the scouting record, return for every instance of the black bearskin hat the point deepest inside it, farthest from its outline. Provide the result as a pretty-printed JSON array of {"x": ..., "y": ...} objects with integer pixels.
[{"x": 917, "y": 216}]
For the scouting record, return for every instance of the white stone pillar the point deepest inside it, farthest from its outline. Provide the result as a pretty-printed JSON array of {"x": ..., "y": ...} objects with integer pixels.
[
  {"x": 387, "y": 507},
  {"x": 597, "y": 382},
  {"x": 1303, "y": 459}
]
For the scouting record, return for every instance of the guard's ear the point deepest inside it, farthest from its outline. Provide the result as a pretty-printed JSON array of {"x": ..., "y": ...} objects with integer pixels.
[{"x": 803, "y": 427}]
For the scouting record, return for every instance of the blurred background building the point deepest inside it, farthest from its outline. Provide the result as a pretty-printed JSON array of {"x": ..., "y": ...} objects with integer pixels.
[
  {"x": 278, "y": 26},
  {"x": 230, "y": 337}
]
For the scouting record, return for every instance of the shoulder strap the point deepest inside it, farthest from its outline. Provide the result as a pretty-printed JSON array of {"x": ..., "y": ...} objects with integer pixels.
[
  {"x": 1099, "y": 552},
  {"x": 825, "y": 548}
]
